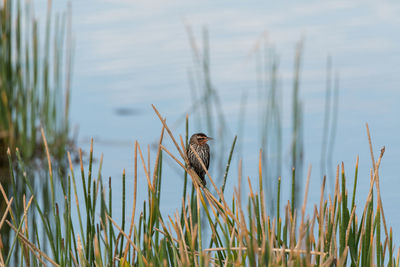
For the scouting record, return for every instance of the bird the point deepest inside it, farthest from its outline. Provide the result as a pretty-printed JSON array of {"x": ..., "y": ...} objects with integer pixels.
[{"x": 199, "y": 143}]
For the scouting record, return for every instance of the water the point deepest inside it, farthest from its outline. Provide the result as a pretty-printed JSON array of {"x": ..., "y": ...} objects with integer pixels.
[{"x": 130, "y": 55}]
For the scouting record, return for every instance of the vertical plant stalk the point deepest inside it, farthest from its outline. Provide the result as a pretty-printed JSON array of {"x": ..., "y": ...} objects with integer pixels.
[
  {"x": 186, "y": 174},
  {"x": 17, "y": 231},
  {"x": 223, "y": 185},
  {"x": 133, "y": 205},
  {"x": 297, "y": 124},
  {"x": 90, "y": 211},
  {"x": 50, "y": 170},
  {"x": 199, "y": 241},
  {"x": 110, "y": 227},
  {"x": 123, "y": 211},
  {"x": 31, "y": 94},
  {"x": 377, "y": 180},
  {"x": 325, "y": 129},
  {"x": 228, "y": 164},
  {"x": 332, "y": 134}
]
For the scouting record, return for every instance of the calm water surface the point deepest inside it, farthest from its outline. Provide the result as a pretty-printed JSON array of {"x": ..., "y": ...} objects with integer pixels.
[{"x": 130, "y": 55}]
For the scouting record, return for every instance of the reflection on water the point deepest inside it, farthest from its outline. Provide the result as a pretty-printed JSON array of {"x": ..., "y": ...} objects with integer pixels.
[{"x": 126, "y": 111}]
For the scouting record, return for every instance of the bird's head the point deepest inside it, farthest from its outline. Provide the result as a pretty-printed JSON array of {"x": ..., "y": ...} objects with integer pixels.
[{"x": 199, "y": 139}]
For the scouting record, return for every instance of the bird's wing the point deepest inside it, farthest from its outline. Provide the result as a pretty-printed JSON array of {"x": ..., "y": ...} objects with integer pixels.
[{"x": 207, "y": 163}]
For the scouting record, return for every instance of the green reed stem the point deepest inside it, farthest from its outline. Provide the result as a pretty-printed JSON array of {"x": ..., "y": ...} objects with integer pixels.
[
  {"x": 278, "y": 210},
  {"x": 89, "y": 236},
  {"x": 355, "y": 185},
  {"x": 15, "y": 239},
  {"x": 186, "y": 174},
  {"x": 199, "y": 227},
  {"x": 229, "y": 163},
  {"x": 123, "y": 213},
  {"x": 293, "y": 190},
  {"x": 77, "y": 201},
  {"x": 110, "y": 227}
]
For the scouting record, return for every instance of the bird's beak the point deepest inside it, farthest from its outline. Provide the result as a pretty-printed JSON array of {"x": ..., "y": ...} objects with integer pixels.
[{"x": 209, "y": 138}]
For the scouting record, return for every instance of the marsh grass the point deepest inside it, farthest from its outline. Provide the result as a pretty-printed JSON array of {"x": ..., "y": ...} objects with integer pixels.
[
  {"x": 208, "y": 227},
  {"x": 336, "y": 233},
  {"x": 35, "y": 79},
  {"x": 208, "y": 115},
  {"x": 35, "y": 73}
]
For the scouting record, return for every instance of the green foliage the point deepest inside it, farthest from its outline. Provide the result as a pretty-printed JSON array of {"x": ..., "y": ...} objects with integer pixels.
[
  {"x": 241, "y": 230},
  {"x": 241, "y": 233},
  {"x": 34, "y": 79}
]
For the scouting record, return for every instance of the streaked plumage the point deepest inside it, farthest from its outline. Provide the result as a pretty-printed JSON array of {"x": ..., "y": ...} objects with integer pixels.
[{"x": 199, "y": 143}]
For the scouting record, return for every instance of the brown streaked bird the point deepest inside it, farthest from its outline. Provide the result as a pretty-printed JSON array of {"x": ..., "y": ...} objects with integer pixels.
[{"x": 199, "y": 144}]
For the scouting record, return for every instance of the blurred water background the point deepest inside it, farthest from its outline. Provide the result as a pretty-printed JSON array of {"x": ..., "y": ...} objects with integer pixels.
[{"x": 129, "y": 55}]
